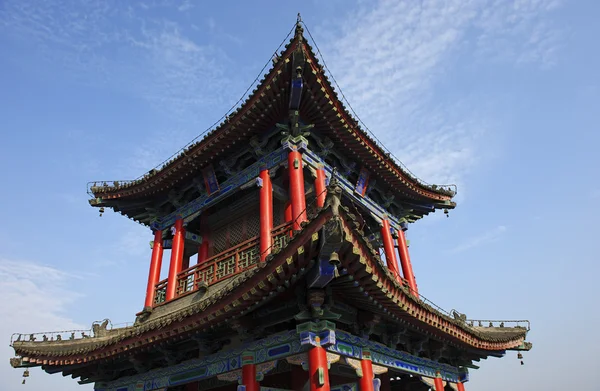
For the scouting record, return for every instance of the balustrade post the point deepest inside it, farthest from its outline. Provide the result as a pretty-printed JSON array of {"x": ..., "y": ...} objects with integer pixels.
[
  {"x": 176, "y": 259},
  {"x": 390, "y": 252},
  {"x": 407, "y": 270},
  {"x": 266, "y": 214},
  {"x": 297, "y": 195},
  {"x": 155, "y": 266}
]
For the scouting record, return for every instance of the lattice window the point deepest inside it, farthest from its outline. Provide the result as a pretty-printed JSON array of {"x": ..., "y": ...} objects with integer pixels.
[
  {"x": 236, "y": 231},
  {"x": 219, "y": 238},
  {"x": 253, "y": 224}
]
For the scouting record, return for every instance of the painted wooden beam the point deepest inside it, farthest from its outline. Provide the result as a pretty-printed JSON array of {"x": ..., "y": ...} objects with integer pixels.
[{"x": 227, "y": 188}]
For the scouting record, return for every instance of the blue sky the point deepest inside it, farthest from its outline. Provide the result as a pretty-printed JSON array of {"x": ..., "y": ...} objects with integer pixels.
[{"x": 499, "y": 97}]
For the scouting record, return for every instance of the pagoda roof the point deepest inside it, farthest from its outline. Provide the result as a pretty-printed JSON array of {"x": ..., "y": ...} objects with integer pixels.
[
  {"x": 368, "y": 283},
  {"x": 263, "y": 108}
]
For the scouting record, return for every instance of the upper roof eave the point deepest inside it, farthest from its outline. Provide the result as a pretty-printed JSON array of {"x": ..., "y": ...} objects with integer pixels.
[{"x": 386, "y": 163}]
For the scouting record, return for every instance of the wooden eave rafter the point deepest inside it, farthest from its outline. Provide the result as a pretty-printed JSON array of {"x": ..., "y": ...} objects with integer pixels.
[
  {"x": 245, "y": 292},
  {"x": 262, "y": 109}
]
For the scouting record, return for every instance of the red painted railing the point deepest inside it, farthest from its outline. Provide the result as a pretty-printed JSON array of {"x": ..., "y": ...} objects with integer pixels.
[{"x": 229, "y": 263}]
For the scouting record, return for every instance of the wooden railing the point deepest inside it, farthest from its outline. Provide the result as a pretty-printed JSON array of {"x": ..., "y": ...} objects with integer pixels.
[
  {"x": 160, "y": 292},
  {"x": 229, "y": 263}
]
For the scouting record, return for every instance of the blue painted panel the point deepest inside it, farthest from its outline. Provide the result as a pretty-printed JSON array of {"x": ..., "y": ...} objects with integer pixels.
[{"x": 314, "y": 161}]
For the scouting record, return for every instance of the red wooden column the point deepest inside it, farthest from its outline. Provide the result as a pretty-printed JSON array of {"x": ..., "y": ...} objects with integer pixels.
[
  {"x": 203, "y": 248},
  {"x": 287, "y": 212},
  {"x": 320, "y": 189},
  {"x": 266, "y": 214},
  {"x": 438, "y": 384},
  {"x": 155, "y": 265},
  {"x": 249, "y": 377},
  {"x": 297, "y": 188},
  {"x": 460, "y": 386},
  {"x": 407, "y": 271},
  {"x": 185, "y": 262},
  {"x": 176, "y": 259},
  {"x": 365, "y": 382},
  {"x": 388, "y": 245},
  {"x": 318, "y": 371}
]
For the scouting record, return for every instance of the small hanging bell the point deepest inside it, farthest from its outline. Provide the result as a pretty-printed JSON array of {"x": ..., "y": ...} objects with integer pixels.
[
  {"x": 334, "y": 260},
  {"x": 519, "y": 356},
  {"x": 446, "y": 213},
  {"x": 101, "y": 210},
  {"x": 26, "y": 373},
  {"x": 522, "y": 363},
  {"x": 23, "y": 382}
]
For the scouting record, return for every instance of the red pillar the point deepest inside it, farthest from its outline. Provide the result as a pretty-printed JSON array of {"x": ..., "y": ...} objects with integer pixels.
[
  {"x": 155, "y": 265},
  {"x": 460, "y": 386},
  {"x": 287, "y": 212},
  {"x": 317, "y": 360},
  {"x": 203, "y": 251},
  {"x": 266, "y": 214},
  {"x": 365, "y": 383},
  {"x": 249, "y": 377},
  {"x": 438, "y": 384},
  {"x": 176, "y": 259},
  {"x": 297, "y": 188},
  {"x": 388, "y": 245},
  {"x": 203, "y": 248},
  {"x": 407, "y": 271},
  {"x": 320, "y": 189},
  {"x": 185, "y": 263}
]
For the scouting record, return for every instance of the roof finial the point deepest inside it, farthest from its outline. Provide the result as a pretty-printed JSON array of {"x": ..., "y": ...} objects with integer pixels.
[{"x": 299, "y": 29}]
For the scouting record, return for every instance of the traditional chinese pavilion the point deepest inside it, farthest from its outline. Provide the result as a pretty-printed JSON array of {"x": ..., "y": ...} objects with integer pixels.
[{"x": 288, "y": 266}]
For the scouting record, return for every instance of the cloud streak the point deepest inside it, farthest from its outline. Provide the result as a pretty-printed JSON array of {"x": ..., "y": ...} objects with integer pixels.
[
  {"x": 480, "y": 240},
  {"x": 35, "y": 298},
  {"x": 392, "y": 60},
  {"x": 124, "y": 49}
]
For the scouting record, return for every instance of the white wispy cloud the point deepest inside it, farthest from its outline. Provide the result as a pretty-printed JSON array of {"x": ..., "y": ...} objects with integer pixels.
[
  {"x": 479, "y": 240},
  {"x": 390, "y": 58},
  {"x": 35, "y": 298},
  {"x": 124, "y": 49}
]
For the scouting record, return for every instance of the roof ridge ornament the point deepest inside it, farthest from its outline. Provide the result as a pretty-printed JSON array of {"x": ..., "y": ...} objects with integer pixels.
[{"x": 299, "y": 29}]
